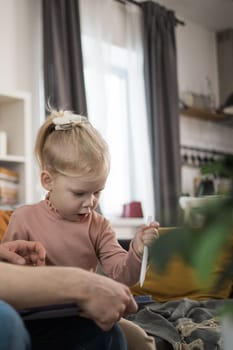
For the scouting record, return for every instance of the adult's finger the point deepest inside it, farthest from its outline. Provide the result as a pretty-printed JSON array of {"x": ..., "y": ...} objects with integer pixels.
[
  {"x": 38, "y": 248},
  {"x": 131, "y": 307},
  {"x": 11, "y": 257},
  {"x": 41, "y": 254},
  {"x": 33, "y": 251}
]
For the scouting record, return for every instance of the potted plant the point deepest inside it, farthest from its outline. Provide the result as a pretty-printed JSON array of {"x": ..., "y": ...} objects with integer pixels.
[{"x": 201, "y": 242}]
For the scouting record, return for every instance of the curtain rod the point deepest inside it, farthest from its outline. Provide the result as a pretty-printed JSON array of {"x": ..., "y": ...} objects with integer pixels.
[{"x": 178, "y": 21}]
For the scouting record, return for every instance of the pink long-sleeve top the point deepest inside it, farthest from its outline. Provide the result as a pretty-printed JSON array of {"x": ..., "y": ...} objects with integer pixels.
[{"x": 72, "y": 243}]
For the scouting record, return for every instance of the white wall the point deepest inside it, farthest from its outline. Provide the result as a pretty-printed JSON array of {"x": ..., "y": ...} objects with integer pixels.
[
  {"x": 15, "y": 61},
  {"x": 197, "y": 59},
  {"x": 18, "y": 25}
]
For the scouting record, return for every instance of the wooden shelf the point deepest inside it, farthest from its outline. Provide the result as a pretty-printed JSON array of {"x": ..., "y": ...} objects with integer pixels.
[
  {"x": 204, "y": 114},
  {"x": 13, "y": 158}
]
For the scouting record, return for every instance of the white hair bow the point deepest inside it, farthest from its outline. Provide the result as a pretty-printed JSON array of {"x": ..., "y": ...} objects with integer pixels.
[{"x": 68, "y": 120}]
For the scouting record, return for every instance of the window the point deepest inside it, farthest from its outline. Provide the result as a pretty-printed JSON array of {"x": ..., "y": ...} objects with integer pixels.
[{"x": 113, "y": 71}]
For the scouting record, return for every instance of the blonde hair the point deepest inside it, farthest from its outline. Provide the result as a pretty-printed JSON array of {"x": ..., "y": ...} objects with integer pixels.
[{"x": 78, "y": 149}]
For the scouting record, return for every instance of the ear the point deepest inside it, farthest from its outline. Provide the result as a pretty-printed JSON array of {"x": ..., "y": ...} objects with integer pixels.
[{"x": 46, "y": 180}]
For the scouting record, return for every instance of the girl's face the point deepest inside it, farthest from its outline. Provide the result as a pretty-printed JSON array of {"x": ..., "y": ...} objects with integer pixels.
[{"x": 73, "y": 197}]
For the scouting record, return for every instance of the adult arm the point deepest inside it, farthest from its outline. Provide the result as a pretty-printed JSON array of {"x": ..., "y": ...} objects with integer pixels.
[{"x": 99, "y": 298}]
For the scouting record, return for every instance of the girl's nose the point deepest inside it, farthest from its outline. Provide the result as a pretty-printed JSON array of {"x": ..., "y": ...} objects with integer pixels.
[{"x": 89, "y": 201}]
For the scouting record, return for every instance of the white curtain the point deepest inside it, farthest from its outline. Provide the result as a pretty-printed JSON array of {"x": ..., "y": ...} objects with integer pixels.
[{"x": 113, "y": 69}]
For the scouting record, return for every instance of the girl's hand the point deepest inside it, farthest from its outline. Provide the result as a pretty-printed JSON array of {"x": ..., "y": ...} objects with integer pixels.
[{"x": 145, "y": 235}]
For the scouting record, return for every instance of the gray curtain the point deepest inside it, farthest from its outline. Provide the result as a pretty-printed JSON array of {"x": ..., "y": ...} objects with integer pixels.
[
  {"x": 162, "y": 106},
  {"x": 63, "y": 64}
]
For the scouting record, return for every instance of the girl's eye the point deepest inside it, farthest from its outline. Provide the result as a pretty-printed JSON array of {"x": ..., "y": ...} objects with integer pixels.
[
  {"x": 78, "y": 194},
  {"x": 81, "y": 194}
]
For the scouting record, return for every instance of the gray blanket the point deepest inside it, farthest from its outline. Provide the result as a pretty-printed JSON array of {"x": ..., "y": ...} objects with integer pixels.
[{"x": 185, "y": 324}]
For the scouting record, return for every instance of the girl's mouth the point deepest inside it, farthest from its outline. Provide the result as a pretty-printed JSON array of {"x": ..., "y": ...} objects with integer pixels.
[{"x": 81, "y": 217}]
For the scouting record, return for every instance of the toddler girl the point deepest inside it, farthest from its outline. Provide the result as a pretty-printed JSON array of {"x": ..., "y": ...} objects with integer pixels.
[{"x": 74, "y": 163}]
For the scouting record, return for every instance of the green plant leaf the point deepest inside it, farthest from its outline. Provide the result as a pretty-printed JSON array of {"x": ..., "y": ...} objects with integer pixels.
[
  {"x": 200, "y": 247},
  {"x": 227, "y": 273},
  {"x": 222, "y": 167},
  {"x": 213, "y": 242},
  {"x": 201, "y": 243},
  {"x": 176, "y": 242}
]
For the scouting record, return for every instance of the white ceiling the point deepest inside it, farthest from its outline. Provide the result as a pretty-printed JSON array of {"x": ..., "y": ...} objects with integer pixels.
[{"x": 215, "y": 15}]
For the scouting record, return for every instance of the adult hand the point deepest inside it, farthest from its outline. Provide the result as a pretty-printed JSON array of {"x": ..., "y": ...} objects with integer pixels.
[
  {"x": 106, "y": 301},
  {"x": 23, "y": 252}
]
